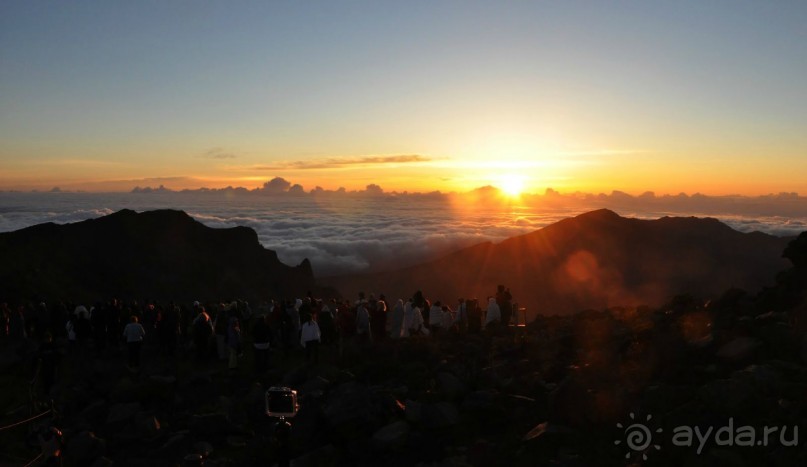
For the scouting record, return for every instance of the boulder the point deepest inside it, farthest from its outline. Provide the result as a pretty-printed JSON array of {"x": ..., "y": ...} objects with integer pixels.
[
  {"x": 120, "y": 414},
  {"x": 146, "y": 425},
  {"x": 392, "y": 436},
  {"x": 352, "y": 407},
  {"x": 450, "y": 385},
  {"x": 212, "y": 425},
  {"x": 95, "y": 412},
  {"x": 413, "y": 411},
  {"x": 739, "y": 350},
  {"x": 440, "y": 415},
  {"x": 323, "y": 457},
  {"x": 481, "y": 402},
  {"x": 84, "y": 448}
]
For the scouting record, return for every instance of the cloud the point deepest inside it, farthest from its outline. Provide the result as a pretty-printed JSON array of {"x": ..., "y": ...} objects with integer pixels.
[
  {"x": 340, "y": 162},
  {"x": 276, "y": 185},
  {"x": 354, "y": 232},
  {"x": 218, "y": 153}
]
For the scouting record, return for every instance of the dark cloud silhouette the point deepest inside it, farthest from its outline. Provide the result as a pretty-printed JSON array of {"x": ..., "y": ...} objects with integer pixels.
[{"x": 276, "y": 185}]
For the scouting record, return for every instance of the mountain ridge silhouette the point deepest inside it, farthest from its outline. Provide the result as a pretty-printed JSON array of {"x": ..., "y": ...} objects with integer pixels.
[
  {"x": 162, "y": 254},
  {"x": 595, "y": 260}
]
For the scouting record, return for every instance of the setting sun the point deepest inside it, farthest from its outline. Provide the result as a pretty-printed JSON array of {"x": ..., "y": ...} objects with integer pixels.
[{"x": 510, "y": 184}]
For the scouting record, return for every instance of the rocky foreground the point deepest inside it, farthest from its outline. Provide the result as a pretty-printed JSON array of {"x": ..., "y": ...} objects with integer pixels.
[{"x": 552, "y": 393}]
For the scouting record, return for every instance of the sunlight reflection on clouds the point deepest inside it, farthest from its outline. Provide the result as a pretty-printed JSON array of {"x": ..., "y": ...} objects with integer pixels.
[{"x": 346, "y": 235}]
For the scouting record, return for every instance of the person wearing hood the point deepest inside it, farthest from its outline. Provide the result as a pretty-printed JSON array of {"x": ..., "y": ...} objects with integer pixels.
[
  {"x": 294, "y": 323},
  {"x": 494, "y": 315},
  {"x": 363, "y": 323}
]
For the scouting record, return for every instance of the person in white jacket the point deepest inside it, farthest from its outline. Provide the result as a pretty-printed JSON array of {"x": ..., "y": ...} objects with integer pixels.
[
  {"x": 494, "y": 315},
  {"x": 310, "y": 336},
  {"x": 413, "y": 320},
  {"x": 436, "y": 318}
]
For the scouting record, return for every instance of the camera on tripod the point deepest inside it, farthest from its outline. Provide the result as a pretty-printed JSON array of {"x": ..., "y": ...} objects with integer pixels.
[{"x": 281, "y": 402}]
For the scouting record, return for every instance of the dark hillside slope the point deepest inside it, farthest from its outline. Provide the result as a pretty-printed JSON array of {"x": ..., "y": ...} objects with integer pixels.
[
  {"x": 594, "y": 260},
  {"x": 157, "y": 254}
]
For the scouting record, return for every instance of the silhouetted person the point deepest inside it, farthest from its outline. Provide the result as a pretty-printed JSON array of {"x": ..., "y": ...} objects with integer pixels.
[
  {"x": 134, "y": 334},
  {"x": 5, "y": 316},
  {"x": 16, "y": 324},
  {"x": 493, "y": 317},
  {"x": 378, "y": 320},
  {"x": 397, "y": 320},
  {"x": 474, "y": 316},
  {"x": 202, "y": 331},
  {"x": 327, "y": 323},
  {"x": 233, "y": 338},
  {"x": 98, "y": 322},
  {"x": 261, "y": 343},
  {"x": 462, "y": 316},
  {"x": 168, "y": 329},
  {"x": 504, "y": 300},
  {"x": 82, "y": 326},
  {"x": 435, "y": 317},
  {"x": 220, "y": 328},
  {"x": 363, "y": 332},
  {"x": 47, "y": 363}
]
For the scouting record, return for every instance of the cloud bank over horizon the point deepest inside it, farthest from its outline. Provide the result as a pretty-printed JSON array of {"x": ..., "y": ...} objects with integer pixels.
[{"x": 371, "y": 230}]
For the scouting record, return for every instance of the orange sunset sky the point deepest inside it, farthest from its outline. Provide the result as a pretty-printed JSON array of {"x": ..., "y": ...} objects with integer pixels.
[{"x": 416, "y": 96}]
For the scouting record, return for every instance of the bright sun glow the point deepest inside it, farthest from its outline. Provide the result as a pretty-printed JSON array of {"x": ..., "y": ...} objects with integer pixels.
[{"x": 511, "y": 184}]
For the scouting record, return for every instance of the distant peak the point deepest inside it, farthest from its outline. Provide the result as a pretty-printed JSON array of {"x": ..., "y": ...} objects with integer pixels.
[
  {"x": 124, "y": 213},
  {"x": 600, "y": 214}
]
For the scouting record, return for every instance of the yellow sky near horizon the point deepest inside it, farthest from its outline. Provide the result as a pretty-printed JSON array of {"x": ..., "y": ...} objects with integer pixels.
[{"x": 575, "y": 96}]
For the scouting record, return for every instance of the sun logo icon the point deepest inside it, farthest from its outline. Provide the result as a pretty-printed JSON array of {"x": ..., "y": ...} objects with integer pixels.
[{"x": 638, "y": 436}]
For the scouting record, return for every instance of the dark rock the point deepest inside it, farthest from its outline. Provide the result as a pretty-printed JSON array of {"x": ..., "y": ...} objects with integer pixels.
[
  {"x": 779, "y": 339},
  {"x": 146, "y": 425},
  {"x": 84, "y": 448},
  {"x": 166, "y": 380},
  {"x": 295, "y": 377},
  {"x": 122, "y": 413},
  {"x": 481, "y": 401},
  {"x": 200, "y": 378},
  {"x": 95, "y": 412},
  {"x": 236, "y": 442},
  {"x": 739, "y": 350},
  {"x": 212, "y": 425},
  {"x": 124, "y": 390},
  {"x": 392, "y": 436},
  {"x": 314, "y": 387},
  {"x": 325, "y": 456},
  {"x": 440, "y": 415},
  {"x": 413, "y": 410},
  {"x": 203, "y": 448},
  {"x": 450, "y": 385},
  {"x": 353, "y": 408},
  {"x": 103, "y": 462}
]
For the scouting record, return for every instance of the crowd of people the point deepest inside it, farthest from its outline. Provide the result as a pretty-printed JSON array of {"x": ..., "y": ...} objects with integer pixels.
[{"x": 222, "y": 330}]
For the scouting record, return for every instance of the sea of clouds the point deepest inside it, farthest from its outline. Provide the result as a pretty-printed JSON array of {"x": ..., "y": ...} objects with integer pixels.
[{"x": 373, "y": 231}]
